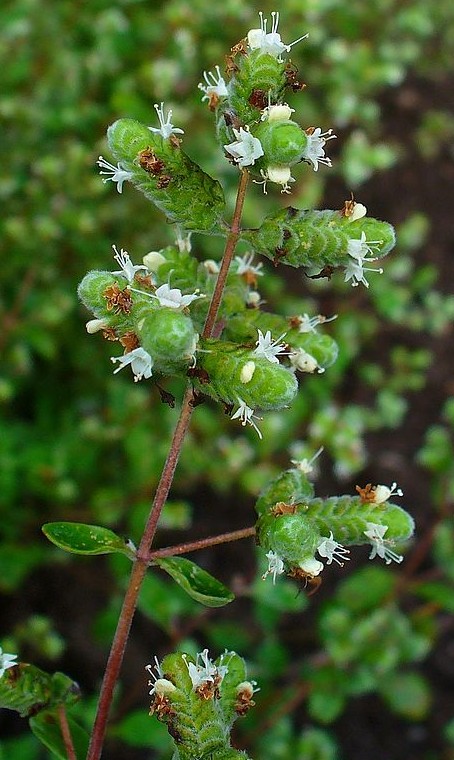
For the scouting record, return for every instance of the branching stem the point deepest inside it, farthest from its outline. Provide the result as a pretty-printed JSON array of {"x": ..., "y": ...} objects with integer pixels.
[
  {"x": 143, "y": 553},
  {"x": 202, "y": 543}
]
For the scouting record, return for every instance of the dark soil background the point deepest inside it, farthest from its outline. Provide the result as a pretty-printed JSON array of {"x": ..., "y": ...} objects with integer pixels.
[{"x": 367, "y": 730}]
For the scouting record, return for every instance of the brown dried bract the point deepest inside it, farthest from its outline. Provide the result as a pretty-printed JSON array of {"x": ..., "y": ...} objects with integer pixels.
[
  {"x": 213, "y": 100},
  {"x": 311, "y": 582},
  {"x": 118, "y": 301},
  {"x": 367, "y": 494},
  {"x": 279, "y": 253},
  {"x": 325, "y": 272},
  {"x": 294, "y": 322},
  {"x": 200, "y": 373},
  {"x": 164, "y": 181},
  {"x": 281, "y": 508},
  {"x": 348, "y": 207},
  {"x": 209, "y": 689},
  {"x": 129, "y": 341},
  {"x": 144, "y": 280},
  {"x": 238, "y": 49},
  {"x": 110, "y": 333},
  {"x": 244, "y": 702},
  {"x": 149, "y": 161},
  {"x": 291, "y": 78},
  {"x": 175, "y": 141},
  {"x": 258, "y": 99},
  {"x": 162, "y": 707}
]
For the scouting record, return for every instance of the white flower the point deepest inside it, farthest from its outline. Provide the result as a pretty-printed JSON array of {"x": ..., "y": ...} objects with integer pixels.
[
  {"x": 246, "y": 414},
  {"x": 355, "y": 271},
  {"x": 128, "y": 269},
  {"x": 281, "y": 112},
  {"x": 267, "y": 348},
  {"x": 246, "y": 149},
  {"x": 183, "y": 241},
  {"x": 358, "y": 211},
  {"x": 215, "y": 85},
  {"x": 119, "y": 175},
  {"x": 383, "y": 493},
  {"x": 308, "y": 324},
  {"x": 360, "y": 248},
  {"x": 204, "y": 670},
  {"x": 275, "y": 565},
  {"x": 247, "y": 372},
  {"x": 270, "y": 43},
  {"x": 375, "y": 533},
  {"x": 171, "y": 297},
  {"x": 306, "y": 465},
  {"x": 332, "y": 550},
  {"x": 245, "y": 266},
  {"x": 253, "y": 299},
  {"x": 280, "y": 175},
  {"x": 314, "y": 151},
  {"x": 311, "y": 566},
  {"x": 95, "y": 325},
  {"x": 159, "y": 684},
  {"x": 140, "y": 361},
  {"x": 6, "y": 661},
  {"x": 153, "y": 260},
  {"x": 211, "y": 266},
  {"x": 303, "y": 361},
  {"x": 166, "y": 127}
]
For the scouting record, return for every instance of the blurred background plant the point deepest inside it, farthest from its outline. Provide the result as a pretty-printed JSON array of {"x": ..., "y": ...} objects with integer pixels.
[{"x": 78, "y": 444}]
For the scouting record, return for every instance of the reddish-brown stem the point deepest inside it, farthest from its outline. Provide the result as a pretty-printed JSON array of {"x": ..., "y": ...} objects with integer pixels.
[
  {"x": 140, "y": 565},
  {"x": 202, "y": 543},
  {"x": 66, "y": 733},
  {"x": 230, "y": 246}
]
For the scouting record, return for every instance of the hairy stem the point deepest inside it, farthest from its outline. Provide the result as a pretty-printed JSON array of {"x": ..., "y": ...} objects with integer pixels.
[
  {"x": 142, "y": 557},
  {"x": 202, "y": 543},
  {"x": 230, "y": 246}
]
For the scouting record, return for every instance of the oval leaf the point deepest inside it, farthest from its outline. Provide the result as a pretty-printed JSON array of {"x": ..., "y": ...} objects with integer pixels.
[
  {"x": 86, "y": 539},
  {"x": 46, "y": 728},
  {"x": 196, "y": 582}
]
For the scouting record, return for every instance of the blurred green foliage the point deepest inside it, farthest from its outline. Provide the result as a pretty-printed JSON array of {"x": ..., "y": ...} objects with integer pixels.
[{"x": 78, "y": 444}]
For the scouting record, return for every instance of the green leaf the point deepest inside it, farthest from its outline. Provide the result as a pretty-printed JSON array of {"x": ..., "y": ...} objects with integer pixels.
[
  {"x": 46, "y": 728},
  {"x": 407, "y": 694},
  {"x": 79, "y": 538},
  {"x": 437, "y": 592},
  {"x": 199, "y": 584},
  {"x": 138, "y": 730}
]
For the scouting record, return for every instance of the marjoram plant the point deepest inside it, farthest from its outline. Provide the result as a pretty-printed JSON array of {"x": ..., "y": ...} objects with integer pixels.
[{"x": 173, "y": 315}]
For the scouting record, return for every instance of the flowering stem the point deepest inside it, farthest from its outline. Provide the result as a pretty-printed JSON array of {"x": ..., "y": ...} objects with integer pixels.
[
  {"x": 202, "y": 543},
  {"x": 230, "y": 246},
  {"x": 66, "y": 733},
  {"x": 143, "y": 552}
]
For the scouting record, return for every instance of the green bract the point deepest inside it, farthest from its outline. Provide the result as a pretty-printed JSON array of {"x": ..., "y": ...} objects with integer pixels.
[
  {"x": 283, "y": 142},
  {"x": 317, "y": 238},
  {"x": 270, "y": 386},
  {"x": 169, "y": 337},
  {"x": 167, "y": 176}
]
